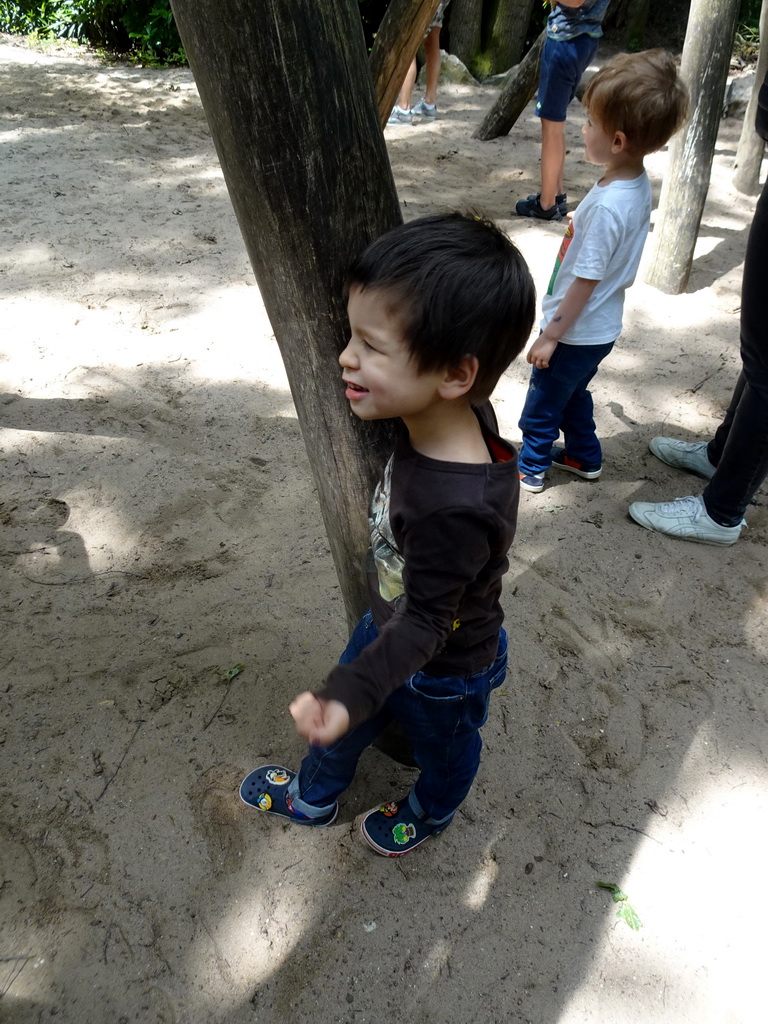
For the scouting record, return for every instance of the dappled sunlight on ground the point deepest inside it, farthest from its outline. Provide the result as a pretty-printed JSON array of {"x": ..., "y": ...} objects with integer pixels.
[
  {"x": 160, "y": 527},
  {"x": 700, "y": 896}
]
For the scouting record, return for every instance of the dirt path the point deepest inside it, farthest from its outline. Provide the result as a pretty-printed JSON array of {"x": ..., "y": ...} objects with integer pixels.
[{"x": 159, "y": 526}]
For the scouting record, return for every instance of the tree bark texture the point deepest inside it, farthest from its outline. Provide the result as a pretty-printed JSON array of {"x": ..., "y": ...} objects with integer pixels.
[
  {"x": 516, "y": 92},
  {"x": 400, "y": 34},
  {"x": 704, "y": 69},
  {"x": 749, "y": 154},
  {"x": 635, "y": 25},
  {"x": 465, "y": 21},
  {"x": 289, "y": 100},
  {"x": 617, "y": 17},
  {"x": 508, "y": 29}
]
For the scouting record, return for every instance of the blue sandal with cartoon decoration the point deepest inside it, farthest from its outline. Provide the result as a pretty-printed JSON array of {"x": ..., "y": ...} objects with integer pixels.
[
  {"x": 266, "y": 789},
  {"x": 394, "y": 830}
]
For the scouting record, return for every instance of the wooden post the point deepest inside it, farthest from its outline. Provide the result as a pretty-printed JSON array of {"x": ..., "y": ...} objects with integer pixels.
[
  {"x": 704, "y": 69},
  {"x": 508, "y": 31},
  {"x": 749, "y": 154},
  {"x": 289, "y": 100},
  {"x": 465, "y": 27},
  {"x": 401, "y": 31},
  {"x": 518, "y": 88}
]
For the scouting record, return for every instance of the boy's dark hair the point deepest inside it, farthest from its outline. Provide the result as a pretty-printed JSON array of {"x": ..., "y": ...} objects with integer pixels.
[
  {"x": 640, "y": 94},
  {"x": 460, "y": 286}
]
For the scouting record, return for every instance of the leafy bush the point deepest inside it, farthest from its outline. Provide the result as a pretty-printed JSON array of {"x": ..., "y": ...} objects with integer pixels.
[
  {"x": 746, "y": 45},
  {"x": 154, "y": 31},
  {"x": 144, "y": 28},
  {"x": 42, "y": 18},
  {"x": 749, "y": 13}
]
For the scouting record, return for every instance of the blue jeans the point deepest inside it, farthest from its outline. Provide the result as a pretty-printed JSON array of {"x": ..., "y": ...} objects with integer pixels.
[
  {"x": 562, "y": 64},
  {"x": 558, "y": 399},
  {"x": 739, "y": 448},
  {"x": 441, "y": 716}
]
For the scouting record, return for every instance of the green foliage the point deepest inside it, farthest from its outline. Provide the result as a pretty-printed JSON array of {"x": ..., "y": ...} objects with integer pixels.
[
  {"x": 749, "y": 13},
  {"x": 42, "y": 18},
  {"x": 480, "y": 66},
  {"x": 231, "y": 673},
  {"x": 144, "y": 29},
  {"x": 747, "y": 43},
  {"x": 155, "y": 32},
  {"x": 626, "y": 911}
]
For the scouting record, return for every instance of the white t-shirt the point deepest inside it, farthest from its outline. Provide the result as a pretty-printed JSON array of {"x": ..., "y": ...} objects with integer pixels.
[{"x": 604, "y": 243}]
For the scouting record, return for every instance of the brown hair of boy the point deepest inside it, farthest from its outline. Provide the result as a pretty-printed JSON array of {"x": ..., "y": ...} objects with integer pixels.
[{"x": 641, "y": 95}]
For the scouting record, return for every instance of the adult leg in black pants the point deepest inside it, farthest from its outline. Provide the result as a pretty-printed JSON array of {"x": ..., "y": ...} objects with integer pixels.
[
  {"x": 736, "y": 459},
  {"x": 739, "y": 448}
]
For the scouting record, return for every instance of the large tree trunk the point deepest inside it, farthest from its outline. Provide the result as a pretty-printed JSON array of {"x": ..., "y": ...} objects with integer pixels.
[
  {"x": 749, "y": 155},
  {"x": 519, "y": 87},
  {"x": 401, "y": 31},
  {"x": 635, "y": 25},
  {"x": 704, "y": 69},
  {"x": 508, "y": 30},
  {"x": 465, "y": 24},
  {"x": 288, "y": 97}
]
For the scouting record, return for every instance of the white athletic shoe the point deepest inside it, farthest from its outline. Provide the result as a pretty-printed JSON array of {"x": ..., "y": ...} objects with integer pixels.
[
  {"x": 399, "y": 116},
  {"x": 423, "y": 109},
  {"x": 683, "y": 455},
  {"x": 685, "y": 518}
]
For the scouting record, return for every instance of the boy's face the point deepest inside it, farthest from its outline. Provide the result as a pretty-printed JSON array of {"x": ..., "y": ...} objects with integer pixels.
[
  {"x": 598, "y": 144},
  {"x": 381, "y": 378}
]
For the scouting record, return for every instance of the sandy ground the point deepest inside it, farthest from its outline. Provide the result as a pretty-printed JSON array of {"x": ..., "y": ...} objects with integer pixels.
[{"x": 159, "y": 527}]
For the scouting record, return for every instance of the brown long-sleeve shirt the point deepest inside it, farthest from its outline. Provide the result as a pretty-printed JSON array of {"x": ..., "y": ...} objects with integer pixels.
[{"x": 440, "y": 533}]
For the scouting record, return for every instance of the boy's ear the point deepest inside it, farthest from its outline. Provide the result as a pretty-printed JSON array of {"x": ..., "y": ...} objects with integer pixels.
[
  {"x": 620, "y": 143},
  {"x": 458, "y": 380}
]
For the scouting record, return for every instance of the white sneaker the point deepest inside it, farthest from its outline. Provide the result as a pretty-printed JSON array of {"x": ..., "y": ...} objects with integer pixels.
[
  {"x": 683, "y": 455},
  {"x": 685, "y": 518},
  {"x": 424, "y": 109},
  {"x": 399, "y": 116}
]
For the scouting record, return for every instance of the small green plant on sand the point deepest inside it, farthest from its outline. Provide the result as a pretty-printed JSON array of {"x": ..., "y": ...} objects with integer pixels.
[
  {"x": 626, "y": 911},
  {"x": 230, "y": 674}
]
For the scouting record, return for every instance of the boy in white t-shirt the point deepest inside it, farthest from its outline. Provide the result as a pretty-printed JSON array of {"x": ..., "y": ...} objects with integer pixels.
[{"x": 634, "y": 104}]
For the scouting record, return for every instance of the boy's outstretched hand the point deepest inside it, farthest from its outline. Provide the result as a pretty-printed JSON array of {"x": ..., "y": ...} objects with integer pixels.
[{"x": 319, "y": 721}]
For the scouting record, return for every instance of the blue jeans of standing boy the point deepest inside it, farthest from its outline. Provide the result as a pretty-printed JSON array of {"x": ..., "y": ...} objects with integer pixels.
[
  {"x": 739, "y": 448},
  {"x": 559, "y": 399},
  {"x": 441, "y": 716}
]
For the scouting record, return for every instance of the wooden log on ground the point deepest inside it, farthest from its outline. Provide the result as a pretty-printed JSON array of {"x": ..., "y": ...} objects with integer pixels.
[{"x": 516, "y": 92}]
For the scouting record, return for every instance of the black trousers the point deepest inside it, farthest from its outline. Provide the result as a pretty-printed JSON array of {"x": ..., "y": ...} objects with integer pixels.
[{"x": 739, "y": 448}]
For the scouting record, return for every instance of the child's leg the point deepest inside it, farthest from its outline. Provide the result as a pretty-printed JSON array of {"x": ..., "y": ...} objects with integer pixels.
[
  {"x": 549, "y": 393},
  {"x": 552, "y": 161},
  {"x": 443, "y": 717},
  {"x": 327, "y": 771},
  {"x": 432, "y": 54},
  {"x": 406, "y": 89},
  {"x": 540, "y": 419},
  {"x": 562, "y": 65},
  {"x": 578, "y": 424}
]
